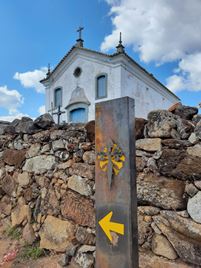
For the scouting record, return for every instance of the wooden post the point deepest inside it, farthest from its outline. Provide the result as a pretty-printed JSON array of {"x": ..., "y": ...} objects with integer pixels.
[{"x": 116, "y": 199}]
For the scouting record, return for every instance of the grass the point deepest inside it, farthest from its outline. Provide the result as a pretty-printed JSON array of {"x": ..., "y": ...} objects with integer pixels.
[
  {"x": 31, "y": 253},
  {"x": 14, "y": 233}
]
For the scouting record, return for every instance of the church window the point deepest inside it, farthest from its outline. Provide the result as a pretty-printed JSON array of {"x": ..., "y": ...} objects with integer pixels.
[
  {"x": 58, "y": 97},
  {"x": 101, "y": 86},
  {"x": 77, "y": 72}
]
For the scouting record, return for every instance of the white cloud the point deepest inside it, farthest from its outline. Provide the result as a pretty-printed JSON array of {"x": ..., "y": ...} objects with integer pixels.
[
  {"x": 10, "y": 118},
  {"x": 10, "y": 99},
  {"x": 31, "y": 79},
  {"x": 188, "y": 74},
  {"x": 161, "y": 31},
  {"x": 41, "y": 109}
]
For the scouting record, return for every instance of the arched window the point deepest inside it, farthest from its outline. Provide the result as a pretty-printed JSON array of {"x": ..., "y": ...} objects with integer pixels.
[
  {"x": 101, "y": 86},
  {"x": 58, "y": 97}
]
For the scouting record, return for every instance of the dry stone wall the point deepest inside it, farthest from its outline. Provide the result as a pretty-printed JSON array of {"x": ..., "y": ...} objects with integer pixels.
[{"x": 47, "y": 186}]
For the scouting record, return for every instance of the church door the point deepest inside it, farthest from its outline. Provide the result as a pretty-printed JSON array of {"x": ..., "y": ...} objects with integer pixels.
[{"x": 78, "y": 115}]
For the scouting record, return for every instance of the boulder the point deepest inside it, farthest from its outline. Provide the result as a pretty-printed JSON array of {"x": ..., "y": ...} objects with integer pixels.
[
  {"x": 185, "y": 226},
  {"x": 44, "y": 121},
  {"x": 185, "y": 112},
  {"x": 160, "y": 124},
  {"x": 28, "y": 234},
  {"x": 198, "y": 130},
  {"x": 83, "y": 170},
  {"x": 149, "y": 260},
  {"x": 160, "y": 192},
  {"x": 8, "y": 185},
  {"x": 14, "y": 157},
  {"x": 25, "y": 125},
  {"x": 150, "y": 145},
  {"x": 162, "y": 247},
  {"x": 20, "y": 214},
  {"x": 79, "y": 185},
  {"x": 39, "y": 164},
  {"x": 3, "y": 126},
  {"x": 90, "y": 128},
  {"x": 194, "y": 207},
  {"x": 187, "y": 249},
  {"x": 23, "y": 179},
  {"x": 139, "y": 127},
  {"x": 33, "y": 150},
  {"x": 195, "y": 150},
  {"x": 184, "y": 128},
  {"x": 56, "y": 234},
  {"x": 89, "y": 157},
  {"x": 175, "y": 144},
  {"x": 79, "y": 209}
]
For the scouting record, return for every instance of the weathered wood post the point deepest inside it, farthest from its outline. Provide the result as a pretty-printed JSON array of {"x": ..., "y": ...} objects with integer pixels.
[{"x": 116, "y": 199}]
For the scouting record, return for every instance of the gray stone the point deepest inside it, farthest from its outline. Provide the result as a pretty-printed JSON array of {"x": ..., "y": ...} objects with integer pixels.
[
  {"x": 56, "y": 234},
  {"x": 79, "y": 185},
  {"x": 194, "y": 207},
  {"x": 25, "y": 125},
  {"x": 184, "y": 128},
  {"x": 195, "y": 150},
  {"x": 198, "y": 130},
  {"x": 33, "y": 150},
  {"x": 185, "y": 112},
  {"x": 160, "y": 124},
  {"x": 89, "y": 157},
  {"x": 44, "y": 121},
  {"x": 162, "y": 247},
  {"x": 150, "y": 145},
  {"x": 39, "y": 164},
  {"x": 193, "y": 138},
  {"x": 190, "y": 189},
  {"x": 3, "y": 126},
  {"x": 58, "y": 145},
  {"x": 160, "y": 192},
  {"x": 23, "y": 179}
]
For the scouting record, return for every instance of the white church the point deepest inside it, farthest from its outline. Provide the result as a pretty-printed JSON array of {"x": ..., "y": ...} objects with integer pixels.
[{"x": 84, "y": 77}]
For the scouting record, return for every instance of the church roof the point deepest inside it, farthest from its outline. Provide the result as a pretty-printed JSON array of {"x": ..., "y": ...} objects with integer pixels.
[{"x": 109, "y": 56}]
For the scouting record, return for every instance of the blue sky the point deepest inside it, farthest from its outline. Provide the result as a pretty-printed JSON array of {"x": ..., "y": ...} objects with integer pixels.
[{"x": 35, "y": 33}]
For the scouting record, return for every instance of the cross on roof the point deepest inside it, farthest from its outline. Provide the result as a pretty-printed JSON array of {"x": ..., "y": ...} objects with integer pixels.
[
  {"x": 79, "y": 30},
  {"x": 58, "y": 113}
]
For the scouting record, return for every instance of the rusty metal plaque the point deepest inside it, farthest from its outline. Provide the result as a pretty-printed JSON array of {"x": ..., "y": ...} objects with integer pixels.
[{"x": 116, "y": 199}]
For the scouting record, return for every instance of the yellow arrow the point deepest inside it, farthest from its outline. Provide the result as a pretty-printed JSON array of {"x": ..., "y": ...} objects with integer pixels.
[{"x": 109, "y": 226}]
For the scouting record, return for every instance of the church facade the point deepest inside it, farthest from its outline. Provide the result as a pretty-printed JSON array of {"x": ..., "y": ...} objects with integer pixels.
[{"x": 84, "y": 77}]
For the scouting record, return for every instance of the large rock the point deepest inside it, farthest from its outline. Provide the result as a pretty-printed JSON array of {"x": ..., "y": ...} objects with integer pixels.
[
  {"x": 149, "y": 260},
  {"x": 3, "y": 126},
  {"x": 198, "y": 130},
  {"x": 39, "y": 164},
  {"x": 90, "y": 127},
  {"x": 83, "y": 170},
  {"x": 188, "y": 249},
  {"x": 150, "y": 145},
  {"x": 44, "y": 121},
  {"x": 161, "y": 124},
  {"x": 79, "y": 209},
  {"x": 184, "y": 128},
  {"x": 162, "y": 247},
  {"x": 14, "y": 157},
  {"x": 20, "y": 214},
  {"x": 23, "y": 179},
  {"x": 195, "y": 150},
  {"x": 188, "y": 168},
  {"x": 160, "y": 192},
  {"x": 194, "y": 207},
  {"x": 33, "y": 150},
  {"x": 56, "y": 234},
  {"x": 185, "y": 112},
  {"x": 139, "y": 127},
  {"x": 25, "y": 125},
  {"x": 8, "y": 185},
  {"x": 176, "y": 144},
  {"x": 185, "y": 226},
  {"x": 79, "y": 185}
]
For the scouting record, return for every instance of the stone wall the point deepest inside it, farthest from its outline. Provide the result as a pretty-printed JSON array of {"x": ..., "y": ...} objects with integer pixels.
[{"x": 47, "y": 187}]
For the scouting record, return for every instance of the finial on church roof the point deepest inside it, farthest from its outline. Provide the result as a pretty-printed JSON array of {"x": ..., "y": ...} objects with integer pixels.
[
  {"x": 48, "y": 70},
  {"x": 120, "y": 47},
  {"x": 80, "y": 41}
]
